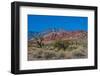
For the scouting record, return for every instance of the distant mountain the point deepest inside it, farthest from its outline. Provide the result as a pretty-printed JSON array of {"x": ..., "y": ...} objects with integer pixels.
[
  {"x": 58, "y": 34},
  {"x": 65, "y": 35}
]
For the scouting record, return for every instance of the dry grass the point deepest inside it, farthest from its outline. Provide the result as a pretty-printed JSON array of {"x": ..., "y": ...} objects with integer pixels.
[{"x": 62, "y": 49}]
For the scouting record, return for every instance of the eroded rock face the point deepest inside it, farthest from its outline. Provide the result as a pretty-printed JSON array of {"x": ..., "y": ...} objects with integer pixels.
[
  {"x": 60, "y": 35},
  {"x": 64, "y": 35}
]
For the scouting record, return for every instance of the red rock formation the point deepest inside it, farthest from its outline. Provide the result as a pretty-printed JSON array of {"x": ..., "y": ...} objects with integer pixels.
[{"x": 62, "y": 35}]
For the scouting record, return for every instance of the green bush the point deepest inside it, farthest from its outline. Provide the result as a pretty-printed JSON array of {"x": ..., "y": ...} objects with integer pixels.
[{"x": 61, "y": 44}]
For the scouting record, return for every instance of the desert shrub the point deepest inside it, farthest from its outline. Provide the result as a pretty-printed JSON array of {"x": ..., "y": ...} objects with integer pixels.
[
  {"x": 49, "y": 54},
  {"x": 68, "y": 55},
  {"x": 63, "y": 55},
  {"x": 72, "y": 47},
  {"x": 84, "y": 44},
  {"x": 80, "y": 53},
  {"x": 42, "y": 54},
  {"x": 48, "y": 47},
  {"x": 61, "y": 45},
  {"x": 60, "y": 54},
  {"x": 37, "y": 54}
]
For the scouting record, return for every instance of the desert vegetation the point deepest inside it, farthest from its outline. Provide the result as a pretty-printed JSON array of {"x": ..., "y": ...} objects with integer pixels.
[{"x": 58, "y": 45}]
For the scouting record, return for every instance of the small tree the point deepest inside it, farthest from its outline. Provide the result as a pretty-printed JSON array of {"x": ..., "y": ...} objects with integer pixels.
[{"x": 39, "y": 40}]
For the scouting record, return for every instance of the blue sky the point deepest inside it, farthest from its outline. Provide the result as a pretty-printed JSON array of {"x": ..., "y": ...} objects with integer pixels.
[{"x": 39, "y": 23}]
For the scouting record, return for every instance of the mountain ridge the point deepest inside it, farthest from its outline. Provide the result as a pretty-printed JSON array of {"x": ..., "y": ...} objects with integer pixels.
[{"x": 49, "y": 37}]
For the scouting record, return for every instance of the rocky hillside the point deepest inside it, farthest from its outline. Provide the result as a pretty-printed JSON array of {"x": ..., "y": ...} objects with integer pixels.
[
  {"x": 65, "y": 35},
  {"x": 59, "y": 35}
]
